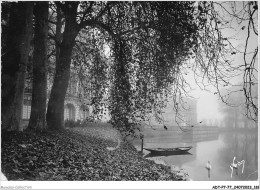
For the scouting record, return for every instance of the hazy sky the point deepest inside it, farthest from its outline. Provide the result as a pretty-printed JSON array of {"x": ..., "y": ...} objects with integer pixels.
[{"x": 208, "y": 103}]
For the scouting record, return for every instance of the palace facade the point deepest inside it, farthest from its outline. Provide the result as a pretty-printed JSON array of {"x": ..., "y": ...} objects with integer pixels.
[{"x": 76, "y": 106}]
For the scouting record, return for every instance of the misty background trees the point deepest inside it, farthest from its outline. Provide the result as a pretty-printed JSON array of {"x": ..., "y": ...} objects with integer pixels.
[
  {"x": 232, "y": 64},
  {"x": 235, "y": 113},
  {"x": 132, "y": 56}
]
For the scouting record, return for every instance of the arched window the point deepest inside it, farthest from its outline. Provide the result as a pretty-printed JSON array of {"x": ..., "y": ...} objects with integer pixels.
[
  {"x": 84, "y": 112},
  {"x": 72, "y": 87},
  {"x": 69, "y": 112}
]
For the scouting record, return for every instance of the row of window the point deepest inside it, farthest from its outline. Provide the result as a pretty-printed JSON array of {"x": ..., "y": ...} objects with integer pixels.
[
  {"x": 69, "y": 111},
  {"x": 26, "y": 111}
]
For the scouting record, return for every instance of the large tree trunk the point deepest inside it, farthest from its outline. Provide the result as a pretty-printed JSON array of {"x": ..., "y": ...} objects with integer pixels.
[
  {"x": 14, "y": 63},
  {"x": 39, "y": 93},
  {"x": 55, "y": 112},
  {"x": 58, "y": 34}
]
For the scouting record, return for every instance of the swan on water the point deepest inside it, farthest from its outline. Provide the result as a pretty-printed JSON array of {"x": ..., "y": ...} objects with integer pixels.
[{"x": 208, "y": 167}]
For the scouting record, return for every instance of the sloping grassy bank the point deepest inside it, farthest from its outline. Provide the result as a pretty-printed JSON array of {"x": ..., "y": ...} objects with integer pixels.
[{"x": 74, "y": 155}]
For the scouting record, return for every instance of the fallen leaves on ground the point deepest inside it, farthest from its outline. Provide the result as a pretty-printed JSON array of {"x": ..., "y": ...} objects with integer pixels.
[{"x": 68, "y": 155}]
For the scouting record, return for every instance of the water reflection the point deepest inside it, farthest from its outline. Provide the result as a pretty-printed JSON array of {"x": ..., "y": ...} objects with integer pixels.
[
  {"x": 243, "y": 146},
  {"x": 218, "y": 148}
]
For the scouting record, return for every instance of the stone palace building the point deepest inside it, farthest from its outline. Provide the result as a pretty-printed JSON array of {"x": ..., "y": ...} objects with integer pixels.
[{"x": 76, "y": 105}]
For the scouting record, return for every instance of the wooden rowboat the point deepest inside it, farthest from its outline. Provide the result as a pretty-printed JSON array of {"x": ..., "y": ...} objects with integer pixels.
[{"x": 169, "y": 151}]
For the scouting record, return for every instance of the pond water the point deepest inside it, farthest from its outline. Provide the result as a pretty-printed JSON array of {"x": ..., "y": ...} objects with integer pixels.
[{"x": 218, "y": 148}]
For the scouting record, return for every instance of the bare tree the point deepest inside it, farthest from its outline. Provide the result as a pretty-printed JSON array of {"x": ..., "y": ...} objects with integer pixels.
[{"x": 215, "y": 60}]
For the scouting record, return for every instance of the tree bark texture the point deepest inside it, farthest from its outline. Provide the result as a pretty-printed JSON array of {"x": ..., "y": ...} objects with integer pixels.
[
  {"x": 55, "y": 111},
  {"x": 39, "y": 93},
  {"x": 14, "y": 63},
  {"x": 58, "y": 34}
]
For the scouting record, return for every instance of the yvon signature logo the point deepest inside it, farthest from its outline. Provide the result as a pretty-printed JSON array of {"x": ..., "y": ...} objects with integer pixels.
[{"x": 235, "y": 164}]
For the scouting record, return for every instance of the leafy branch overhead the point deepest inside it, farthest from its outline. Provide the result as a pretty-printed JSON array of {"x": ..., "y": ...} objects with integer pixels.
[
  {"x": 133, "y": 57},
  {"x": 159, "y": 41}
]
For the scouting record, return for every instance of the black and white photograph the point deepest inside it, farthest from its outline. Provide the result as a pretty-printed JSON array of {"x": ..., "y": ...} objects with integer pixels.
[{"x": 129, "y": 95}]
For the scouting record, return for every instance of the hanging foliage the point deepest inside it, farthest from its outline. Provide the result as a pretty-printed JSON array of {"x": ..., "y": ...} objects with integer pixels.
[{"x": 152, "y": 40}]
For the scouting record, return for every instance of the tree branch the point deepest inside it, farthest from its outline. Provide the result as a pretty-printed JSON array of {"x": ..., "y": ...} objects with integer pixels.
[
  {"x": 104, "y": 10},
  {"x": 86, "y": 12},
  {"x": 51, "y": 36}
]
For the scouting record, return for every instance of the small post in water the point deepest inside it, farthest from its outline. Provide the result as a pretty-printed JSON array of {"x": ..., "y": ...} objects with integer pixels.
[{"x": 142, "y": 144}]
